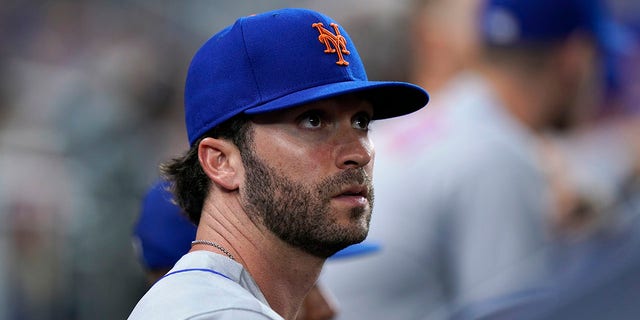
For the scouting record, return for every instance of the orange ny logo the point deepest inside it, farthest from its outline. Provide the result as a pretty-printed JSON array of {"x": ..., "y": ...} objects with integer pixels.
[{"x": 338, "y": 41}]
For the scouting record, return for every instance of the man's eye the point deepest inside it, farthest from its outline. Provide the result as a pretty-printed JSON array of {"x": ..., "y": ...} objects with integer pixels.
[
  {"x": 311, "y": 121},
  {"x": 361, "y": 121}
]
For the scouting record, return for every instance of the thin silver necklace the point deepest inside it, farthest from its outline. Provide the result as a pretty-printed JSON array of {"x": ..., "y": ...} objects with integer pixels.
[{"x": 215, "y": 245}]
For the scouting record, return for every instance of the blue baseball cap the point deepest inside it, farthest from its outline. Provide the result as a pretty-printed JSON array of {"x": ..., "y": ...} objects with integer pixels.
[
  {"x": 282, "y": 59},
  {"x": 505, "y": 22},
  {"x": 162, "y": 232}
]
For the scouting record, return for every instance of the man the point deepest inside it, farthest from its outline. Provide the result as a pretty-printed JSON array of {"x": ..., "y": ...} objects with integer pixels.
[
  {"x": 473, "y": 195},
  {"x": 278, "y": 176}
]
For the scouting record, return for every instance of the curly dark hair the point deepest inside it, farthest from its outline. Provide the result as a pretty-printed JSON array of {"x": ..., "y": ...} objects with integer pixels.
[{"x": 189, "y": 183}]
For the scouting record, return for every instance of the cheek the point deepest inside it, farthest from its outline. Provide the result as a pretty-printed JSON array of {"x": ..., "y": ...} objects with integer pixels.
[
  {"x": 370, "y": 167},
  {"x": 308, "y": 163},
  {"x": 296, "y": 159}
]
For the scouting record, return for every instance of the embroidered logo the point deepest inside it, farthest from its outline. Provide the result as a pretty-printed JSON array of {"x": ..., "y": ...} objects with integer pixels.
[{"x": 336, "y": 40}]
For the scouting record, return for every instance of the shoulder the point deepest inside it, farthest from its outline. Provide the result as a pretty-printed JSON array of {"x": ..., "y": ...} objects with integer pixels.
[
  {"x": 234, "y": 314},
  {"x": 199, "y": 294}
]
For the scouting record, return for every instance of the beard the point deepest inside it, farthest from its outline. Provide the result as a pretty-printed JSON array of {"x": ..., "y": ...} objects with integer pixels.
[{"x": 301, "y": 214}]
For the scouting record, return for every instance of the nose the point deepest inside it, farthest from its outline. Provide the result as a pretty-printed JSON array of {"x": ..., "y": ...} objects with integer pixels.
[{"x": 355, "y": 149}]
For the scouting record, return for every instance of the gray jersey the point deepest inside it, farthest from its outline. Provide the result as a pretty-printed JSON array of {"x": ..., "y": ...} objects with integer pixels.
[
  {"x": 460, "y": 212},
  {"x": 204, "y": 285}
]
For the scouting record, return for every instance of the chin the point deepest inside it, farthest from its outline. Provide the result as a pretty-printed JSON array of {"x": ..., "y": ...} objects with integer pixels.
[
  {"x": 340, "y": 238},
  {"x": 356, "y": 234}
]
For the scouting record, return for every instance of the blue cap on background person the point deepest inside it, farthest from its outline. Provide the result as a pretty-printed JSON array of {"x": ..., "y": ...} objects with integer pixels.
[
  {"x": 530, "y": 22},
  {"x": 162, "y": 233},
  {"x": 504, "y": 22},
  {"x": 282, "y": 59}
]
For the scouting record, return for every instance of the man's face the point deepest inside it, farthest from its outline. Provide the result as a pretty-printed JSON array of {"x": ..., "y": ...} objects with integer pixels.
[{"x": 308, "y": 176}]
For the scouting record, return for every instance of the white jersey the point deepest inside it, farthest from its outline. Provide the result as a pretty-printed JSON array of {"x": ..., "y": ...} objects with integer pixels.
[{"x": 204, "y": 285}]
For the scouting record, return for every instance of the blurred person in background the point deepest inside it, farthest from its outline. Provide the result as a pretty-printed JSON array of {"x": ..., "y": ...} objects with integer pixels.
[
  {"x": 595, "y": 172},
  {"x": 443, "y": 40},
  {"x": 473, "y": 214},
  {"x": 162, "y": 233}
]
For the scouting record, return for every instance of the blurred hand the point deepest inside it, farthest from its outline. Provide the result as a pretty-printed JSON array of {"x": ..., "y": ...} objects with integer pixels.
[{"x": 317, "y": 305}]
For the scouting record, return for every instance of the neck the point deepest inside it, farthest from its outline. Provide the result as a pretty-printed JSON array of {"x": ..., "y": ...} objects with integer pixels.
[{"x": 284, "y": 274}]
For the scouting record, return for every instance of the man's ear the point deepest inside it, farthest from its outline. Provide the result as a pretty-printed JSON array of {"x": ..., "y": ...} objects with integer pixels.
[{"x": 221, "y": 162}]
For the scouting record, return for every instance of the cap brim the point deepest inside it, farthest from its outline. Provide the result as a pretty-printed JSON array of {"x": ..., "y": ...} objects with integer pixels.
[
  {"x": 355, "y": 250},
  {"x": 389, "y": 99}
]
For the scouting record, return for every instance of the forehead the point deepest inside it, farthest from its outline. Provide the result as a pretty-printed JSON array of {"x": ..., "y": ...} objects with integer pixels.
[{"x": 344, "y": 105}]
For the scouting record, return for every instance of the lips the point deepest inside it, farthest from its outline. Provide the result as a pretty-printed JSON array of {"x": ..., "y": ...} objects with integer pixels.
[{"x": 354, "y": 191}]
